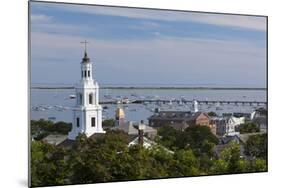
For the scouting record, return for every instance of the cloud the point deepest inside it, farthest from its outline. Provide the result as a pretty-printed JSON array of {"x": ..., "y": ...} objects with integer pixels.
[
  {"x": 225, "y": 20},
  {"x": 40, "y": 18},
  {"x": 44, "y": 23}
]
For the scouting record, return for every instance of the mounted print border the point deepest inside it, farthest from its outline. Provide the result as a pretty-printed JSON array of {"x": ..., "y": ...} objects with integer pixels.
[{"x": 128, "y": 93}]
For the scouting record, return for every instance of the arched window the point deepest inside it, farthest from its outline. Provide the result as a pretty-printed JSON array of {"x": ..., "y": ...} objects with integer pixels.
[
  {"x": 91, "y": 98},
  {"x": 88, "y": 73},
  {"x": 85, "y": 74}
]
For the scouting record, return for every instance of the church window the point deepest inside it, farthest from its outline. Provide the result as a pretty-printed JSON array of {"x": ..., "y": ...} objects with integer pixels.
[
  {"x": 91, "y": 98},
  {"x": 85, "y": 74},
  {"x": 88, "y": 73},
  {"x": 93, "y": 121},
  {"x": 80, "y": 99},
  {"x": 77, "y": 122}
]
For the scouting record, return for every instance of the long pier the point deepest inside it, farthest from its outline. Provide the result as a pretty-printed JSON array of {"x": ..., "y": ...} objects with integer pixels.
[
  {"x": 148, "y": 87},
  {"x": 183, "y": 101}
]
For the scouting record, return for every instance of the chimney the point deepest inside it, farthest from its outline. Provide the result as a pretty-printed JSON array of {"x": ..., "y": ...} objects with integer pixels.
[
  {"x": 141, "y": 128},
  {"x": 141, "y": 137}
]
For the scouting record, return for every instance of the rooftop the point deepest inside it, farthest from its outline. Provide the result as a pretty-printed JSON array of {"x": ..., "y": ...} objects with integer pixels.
[{"x": 55, "y": 139}]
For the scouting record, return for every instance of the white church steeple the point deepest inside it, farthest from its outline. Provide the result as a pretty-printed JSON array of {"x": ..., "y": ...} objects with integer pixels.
[{"x": 87, "y": 113}]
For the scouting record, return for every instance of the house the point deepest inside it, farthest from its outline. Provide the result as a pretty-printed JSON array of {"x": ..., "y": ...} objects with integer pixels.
[
  {"x": 259, "y": 117},
  {"x": 247, "y": 116},
  {"x": 131, "y": 128},
  {"x": 54, "y": 139},
  {"x": 144, "y": 141},
  {"x": 180, "y": 120},
  {"x": 161, "y": 118},
  {"x": 138, "y": 134},
  {"x": 226, "y": 126},
  {"x": 261, "y": 122},
  {"x": 224, "y": 143}
]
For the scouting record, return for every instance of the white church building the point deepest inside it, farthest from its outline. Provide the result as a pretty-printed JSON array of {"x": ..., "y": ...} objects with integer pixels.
[{"x": 87, "y": 113}]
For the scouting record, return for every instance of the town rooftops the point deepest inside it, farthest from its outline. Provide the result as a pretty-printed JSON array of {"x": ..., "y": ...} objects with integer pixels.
[
  {"x": 55, "y": 139},
  {"x": 132, "y": 129}
]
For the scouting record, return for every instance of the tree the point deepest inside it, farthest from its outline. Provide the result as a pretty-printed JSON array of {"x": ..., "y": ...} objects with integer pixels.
[
  {"x": 195, "y": 137},
  {"x": 257, "y": 165},
  {"x": 42, "y": 128},
  {"x": 108, "y": 123},
  {"x": 48, "y": 165},
  {"x": 39, "y": 128},
  {"x": 249, "y": 128},
  {"x": 232, "y": 156},
  {"x": 219, "y": 167},
  {"x": 212, "y": 114},
  {"x": 92, "y": 158},
  {"x": 207, "y": 156},
  {"x": 256, "y": 146},
  {"x": 162, "y": 160},
  {"x": 167, "y": 136},
  {"x": 184, "y": 164},
  {"x": 61, "y": 127},
  {"x": 198, "y": 138}
]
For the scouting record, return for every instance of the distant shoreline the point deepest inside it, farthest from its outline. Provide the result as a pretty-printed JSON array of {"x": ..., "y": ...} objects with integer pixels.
[{"x": 158, "y": 88}]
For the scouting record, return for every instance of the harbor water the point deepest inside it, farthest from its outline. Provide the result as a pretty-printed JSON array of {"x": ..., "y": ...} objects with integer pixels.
[{"x": 57, "y": 104}]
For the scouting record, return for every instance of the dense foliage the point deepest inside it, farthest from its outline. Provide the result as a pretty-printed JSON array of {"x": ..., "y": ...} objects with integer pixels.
[
  {"x": 195, "y": 137},
  {"x": 248, "y": 128},
  {"x": 256, "y": 146},
  {"x": 107, "y": 157},
  {"x": 41, "y": 128},
  {"x": 213, "y": 114},
  {"x": 108, "y": 123}
]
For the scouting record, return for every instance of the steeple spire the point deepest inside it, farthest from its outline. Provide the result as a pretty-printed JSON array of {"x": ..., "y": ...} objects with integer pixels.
[{"x": 85, "y": 58}]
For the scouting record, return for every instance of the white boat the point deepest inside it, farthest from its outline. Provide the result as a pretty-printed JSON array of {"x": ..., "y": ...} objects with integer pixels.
[
  {"x": 72, "y": 96},
  {"x": 108, "y": 96},
  {"x": 170, "y": 103},
  {"x": 126, "y": 100},
  {"x": 218, "y": 106}
]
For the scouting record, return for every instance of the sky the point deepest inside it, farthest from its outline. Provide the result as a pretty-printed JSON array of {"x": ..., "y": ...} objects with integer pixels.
[{"x": 136, "y": 47}]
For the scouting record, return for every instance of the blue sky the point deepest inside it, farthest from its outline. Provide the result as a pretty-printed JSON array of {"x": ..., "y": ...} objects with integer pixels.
[{"x": 147, "y": 47}]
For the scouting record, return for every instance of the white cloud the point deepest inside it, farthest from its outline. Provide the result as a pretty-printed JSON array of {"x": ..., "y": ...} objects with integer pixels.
[
  {"x": 247, "y": 22},
  {"x": 44, "y": 23},
  {"x": 40, "y": 18}
]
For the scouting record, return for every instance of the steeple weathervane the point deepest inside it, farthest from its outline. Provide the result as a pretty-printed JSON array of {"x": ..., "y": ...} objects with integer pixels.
[{"x": 85, "y": 43}]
